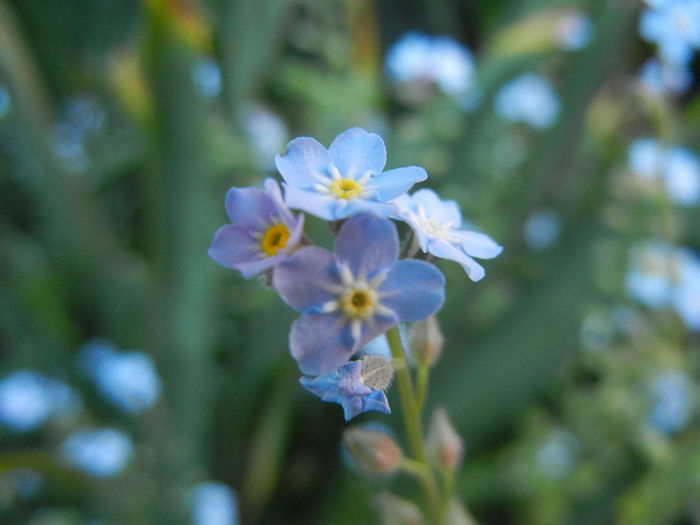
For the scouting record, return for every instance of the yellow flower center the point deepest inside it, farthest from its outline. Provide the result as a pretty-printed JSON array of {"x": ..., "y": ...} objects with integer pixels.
[
  {"x": 358, "y": 302},
  {"x": 346, "y": 189},
  {"x": 275, "y": 239}
]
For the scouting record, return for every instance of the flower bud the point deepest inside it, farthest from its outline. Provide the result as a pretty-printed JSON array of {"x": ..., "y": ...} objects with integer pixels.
[
  {"x": 377, "y": 372},
  {"x": 397, "y": 511},
  {"x": 445, "y": 446},
  {"x": 426, "y": 341},
  {"x": 372, "y": 450}
]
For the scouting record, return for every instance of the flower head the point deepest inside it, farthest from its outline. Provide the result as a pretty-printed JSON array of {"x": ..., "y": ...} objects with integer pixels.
[
  {"x": 528, "y": 98},
  {"x": 101, "y": 452},
  {"x": 349, "y": 387},
  {"x": 262, "y": 231},
  {"x": 436, "y": 223},
  {"x": 345, "y": 179},
  {"x": 355, "y": 294},
  {"x": 674, "y": 26}
]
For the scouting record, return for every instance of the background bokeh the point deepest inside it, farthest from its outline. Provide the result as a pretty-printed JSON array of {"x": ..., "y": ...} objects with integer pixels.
[{"x": 142, "y": 383}]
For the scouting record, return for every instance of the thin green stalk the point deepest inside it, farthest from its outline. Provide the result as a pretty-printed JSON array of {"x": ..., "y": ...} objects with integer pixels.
[
  {"x": 422, "y": 375},
  {"x": 412, "y": 423}
]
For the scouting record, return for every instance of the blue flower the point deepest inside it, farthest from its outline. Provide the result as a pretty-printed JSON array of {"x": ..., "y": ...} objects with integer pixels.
[
  {"x": 650, "y": 278},
  {"x": 672, "y": 402},
  {"x": 416, "y": 57},
  {"x": 674, "y": 26},
  {"x": 346, "y": 387},
  {"x": 686, "y": 295},
  {"x": 436, "y": 223},
  {"x": 344, "y": 180},
  {"x": 355, "y": 294},
  {"x": 128, "y": 380},
  {"x": 29, "y": 399},
  {"x": 262, "y": 230},
  {"x": 213, "y": 503},
  {"x": 528, "y": 98},
  {"x": 574, "y": 31},
  {"x": 659, "y": 78},
  {"x": 101, "y": 453}
]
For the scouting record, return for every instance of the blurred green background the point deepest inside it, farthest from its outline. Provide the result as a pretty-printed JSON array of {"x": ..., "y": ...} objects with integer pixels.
[{"x": 123, "y": 124}]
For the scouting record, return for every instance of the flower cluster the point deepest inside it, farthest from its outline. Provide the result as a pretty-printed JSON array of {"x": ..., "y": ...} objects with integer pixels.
[{"x": 349, "y": 296}]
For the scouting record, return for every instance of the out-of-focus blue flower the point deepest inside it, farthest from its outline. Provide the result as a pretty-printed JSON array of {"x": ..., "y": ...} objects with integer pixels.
[
  {"x": 351, "y": 296},
  {"x": 207, "y": 77},
  {"x": 29, "y": 399},
  {"x": 101, "y": 453},
  {"x": 213, "y": 503},
  {"x": 267, "y": 133},
  {"x": 436, "y": 223},
  {"x": 345, "y": 386},
  {"x": 529, "y": 98},
  {"x": 25, "y": 482},
  {"x": 262, "y": 230},
  {"x": 542, "y": 229},
  {"x": 682, "y": 176},
  {"x": 5, "y": 101},
  {"x": 686, "y": 296},
  {"x": 416, "y": 57},
  {"x": 82, "y": 118},
  {"x": 674, "y": 26},
  {"x": 574, "y": 31},
  {"x": 672, "y": 402},
  {"x": 344, "y": 180},
  {"x": 678, "y": 168},
  {"x": 128, "y": 380},
  {"x": 653, "y": 269},
  {"x": 557, "y": 456},
  {"x": 660, "y": 78}
]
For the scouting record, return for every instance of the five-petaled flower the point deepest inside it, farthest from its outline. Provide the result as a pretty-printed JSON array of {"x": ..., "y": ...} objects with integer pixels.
[
  {"x": 355, "y": 294},
  {"x": 436, "y": 223},
  {"x": 262, "y": 231},
  {"x": 344, "y": 180}
]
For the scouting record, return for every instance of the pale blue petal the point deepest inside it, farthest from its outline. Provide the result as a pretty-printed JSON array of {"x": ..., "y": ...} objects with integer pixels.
[
  {"x": 477, "y": 244},
  {"x": 444, "y": 250},
  {"x": 321, "y": 343},
  {"x": 345, "y": 209},
  {"x": 442, "y": 211},
  {"x": 413, "y": 290},
  {"x": 234, "y": 248},
  {"x": 273, "y": 190},
  {"x": 367, "y": 244},
  {"x": 393, "y": 183},
  {"x": 304, "y": 162},
  {"x": 322, "y": 206},
  {"x": 249, "y": 208},
  {"x": 303, "y": 279},
  {"x": 355, "y": 152}
]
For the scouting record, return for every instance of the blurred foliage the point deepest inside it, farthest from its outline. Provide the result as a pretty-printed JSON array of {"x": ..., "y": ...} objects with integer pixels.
[{"x": 115, "y": 156}]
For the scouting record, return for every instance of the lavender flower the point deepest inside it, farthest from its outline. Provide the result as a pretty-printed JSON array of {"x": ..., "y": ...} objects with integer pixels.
[
  {"x": 350, "y": 388},
  {"x": 355, "y": 294},
  {"x": 262, "y": 230},
  {"x": 344, "y": 180},
  {"x": 436, "y": 223}
]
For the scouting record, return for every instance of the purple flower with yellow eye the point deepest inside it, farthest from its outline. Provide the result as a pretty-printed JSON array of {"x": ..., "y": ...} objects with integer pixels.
[
  {"x": 345, "y": 179},
  {"x": 436, "y": 223},
  {"x": 354, "y": 294},
  {"x": 262, "y": 231}
]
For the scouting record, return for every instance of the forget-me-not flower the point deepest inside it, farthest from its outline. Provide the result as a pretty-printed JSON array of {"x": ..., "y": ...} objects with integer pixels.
[
  {"x": 437, "y": 225},
  {"x": 574, "y": 31},
  {"x": 686, "y": 295},
  {"x": 345, "y": 179},
  {"x": 355, "y": 294},
  {"x": 529, "y": 98},
  {"x": 674, "y": 26},
  {"x": 672, "y": 402},
  {"x": 348, "y": 387},
  {"x": 28, "y": 399},
  {"x": 126, "y": 379},
  {"x": 660, "y": 78},
  {"x": 262, "y": 231},
  {"x": 213, "y": 503},
  {"x": 416, "y": 57},
  {"x": 99, "y": 452}
]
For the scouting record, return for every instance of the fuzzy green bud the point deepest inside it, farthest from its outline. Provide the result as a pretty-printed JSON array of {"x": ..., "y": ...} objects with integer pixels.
[
  {"x": 426, "y": 341},
  {"x": 372, "y": 451},
  {"x": 445, "y": 446},
  {"x": 397, "y": 511}
]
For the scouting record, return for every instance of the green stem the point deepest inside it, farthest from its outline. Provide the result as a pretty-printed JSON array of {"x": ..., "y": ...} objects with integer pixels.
[
  {"x": 421, "y": 385},
  {"x": 412, "y": 423}
]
